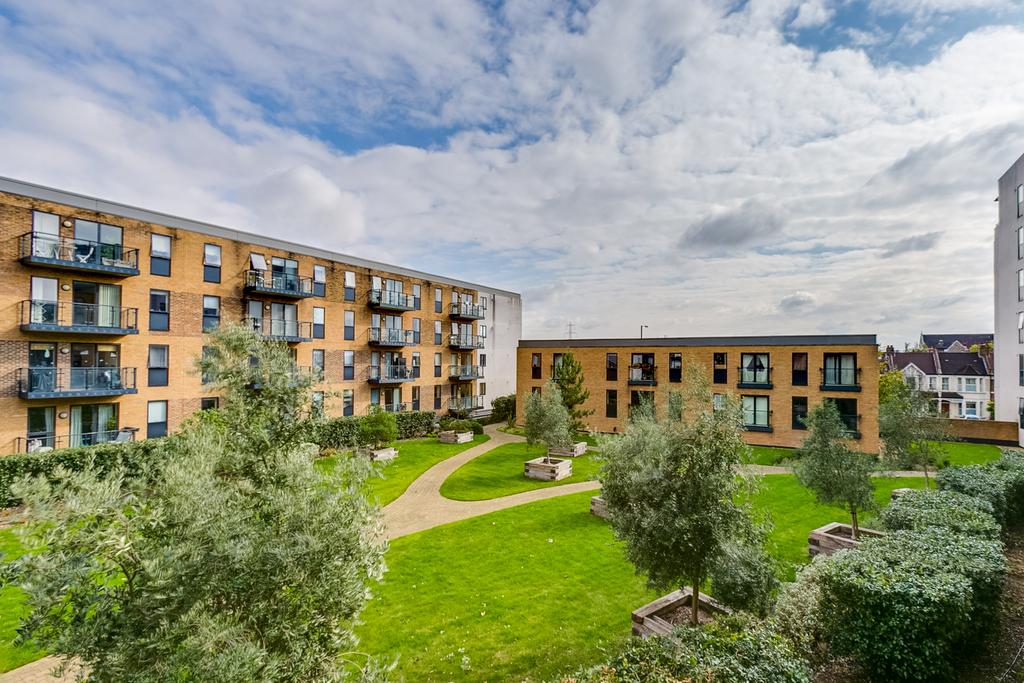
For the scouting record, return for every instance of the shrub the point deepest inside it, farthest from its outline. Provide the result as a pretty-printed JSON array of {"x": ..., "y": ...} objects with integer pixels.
[
  {"x": 448, "y": 424},
  {"x": 797, "y": 614},
  {"x": 339, "y": 433},
  {"x": 1000, "y": 483},
  {"x": 378, "y": 429},
  {"x": 919, "y": 510},
  {"x": 413, "y": 424},
  {"x": 906, "y": 604},
  {"x": 727, "y": 650},
  {"x": 101, "y": 458},
  {"x": 503, "y": 409},
  {"x": 744, "y": 578}
]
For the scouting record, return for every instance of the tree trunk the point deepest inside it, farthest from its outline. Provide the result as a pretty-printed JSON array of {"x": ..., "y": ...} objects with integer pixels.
[
  {"x": 925, "y": 468},
  {"x": 853, "y": 522},
  {"x": 694, "y": 612}
]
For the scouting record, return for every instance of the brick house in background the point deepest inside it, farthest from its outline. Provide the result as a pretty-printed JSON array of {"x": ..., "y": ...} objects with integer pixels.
[{"x": 961, "y": 383}]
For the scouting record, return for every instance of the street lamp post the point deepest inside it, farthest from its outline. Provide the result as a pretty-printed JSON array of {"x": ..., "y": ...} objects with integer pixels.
[{"x": 642, "y": 330}]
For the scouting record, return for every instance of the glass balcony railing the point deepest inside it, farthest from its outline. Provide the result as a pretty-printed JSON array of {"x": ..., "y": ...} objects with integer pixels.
[
  {"x": 384, "y": 374},
  {"x": 282, "y": 330},
  {"x": 46, "y": 382},
  {"x": 388, "y": 336},
  {"x": 465, "y": 372},
  {"x": 466, "y": 310},
  {"x": 392, "y": 300},
  {"x": 66, "y": 316},
  {"x": 466, "y": 341},
  {"x": 289, "y": 285},
  {"x": 76, "y": 254}
]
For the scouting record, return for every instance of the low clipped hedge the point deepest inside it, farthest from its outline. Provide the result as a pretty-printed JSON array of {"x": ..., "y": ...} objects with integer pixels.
[
  {"x": 923, "y": 509},
  {"x": 728, "y": 650},
  {"x": 342, "y": 433},
  {"x": 907, "y": 604},
  {"x": 1001, "y": 483},
  {"x": 417, "y": 423},
  {"x": 104, "y": 457},
  {"x": 474, "y": 426}
]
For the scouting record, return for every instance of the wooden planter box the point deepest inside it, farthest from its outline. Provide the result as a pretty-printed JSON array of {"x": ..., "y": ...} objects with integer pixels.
[
  {"x": 454, "y": 437},
  {"x": 598, "y": 507},
  {"x": 836, "y": 536},
  {"x": 573, "y": 451},
  {"x": 552, "y": 470},
  {"x": 382, "y": 454},
  {"x": 896, "y": 493},
  {"x": 657, "y": 618}
]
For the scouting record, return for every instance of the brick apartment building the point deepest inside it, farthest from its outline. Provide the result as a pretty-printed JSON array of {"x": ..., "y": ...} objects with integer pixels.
[
  {"x": 106, "y": 306},
  {"x": 778, "y": 379}
]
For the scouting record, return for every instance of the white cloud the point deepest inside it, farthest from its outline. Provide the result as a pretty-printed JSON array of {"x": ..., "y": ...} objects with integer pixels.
[{"x": 811, "y": 14}]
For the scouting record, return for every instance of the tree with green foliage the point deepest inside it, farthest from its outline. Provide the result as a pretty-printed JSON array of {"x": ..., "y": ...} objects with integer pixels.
[
  {"x": 675, "y": 405},
  {"x": 912, "y": 435},
  {"x": 572, "y": 386},
  {"x": 835, "y": 473},
  {"x": 503, "y": 409},
  {"x": 546, "y": 418},
  {"x": 378, "y": 429},
  {"x": 231, "y": 559},
  {"x": 890, "y": 384},
  {"x": 673, "y": 494}
]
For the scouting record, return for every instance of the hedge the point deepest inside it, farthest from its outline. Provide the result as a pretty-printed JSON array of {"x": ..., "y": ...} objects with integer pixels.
[
  {"x": 418, "y": 423},
  {"x": 342, "y": 433},
  {"x": 104, "y": 457},
  {"x": 1001, "y": 483},
  {"x": 907, "y": 604},
  {"x": 923, "y": 509}
]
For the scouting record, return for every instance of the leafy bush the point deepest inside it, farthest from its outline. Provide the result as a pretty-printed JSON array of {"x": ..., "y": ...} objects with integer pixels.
[
  {"x": 339, "y": 433},
  {"x": 919, "y": 510},
  {"x": 727, "y": 650},
  {"x": 906, "y": 604},
  {"x": 451, "y": 424},
  {"x": 1000, "y": 483},
  {"x": 101, "y": 458},
  {"x": 744, "y": 578},
  {"x": 503, "y": 409},
  {"x": 797, "y": 614},
  {"x": 378, "y": 429},
  {"x": 413, "y": 424}
]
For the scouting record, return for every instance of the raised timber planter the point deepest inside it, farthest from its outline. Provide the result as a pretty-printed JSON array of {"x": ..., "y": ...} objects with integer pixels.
[
  {"x": 454, "y": 437},
  {"x": 835, "y": 536},
  {"x": 381, "y": 454},
  {"x": 896, "y": 493},
  {"x": 552, "y": 470},
  {"x": 657, "y": 618},
  {"x": 573, "y": 451},
  {"x": 598, "y": 507}
]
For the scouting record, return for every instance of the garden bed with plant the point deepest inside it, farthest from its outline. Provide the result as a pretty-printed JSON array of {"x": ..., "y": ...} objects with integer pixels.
[{"x": 499, "y": 472}]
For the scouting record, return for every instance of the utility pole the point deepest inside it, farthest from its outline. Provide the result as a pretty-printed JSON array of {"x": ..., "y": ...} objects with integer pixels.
[{"x": 571, "y": 327}]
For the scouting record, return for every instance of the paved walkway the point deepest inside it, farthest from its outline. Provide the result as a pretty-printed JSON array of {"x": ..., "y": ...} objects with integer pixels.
[{"x": 37, "y": 672}]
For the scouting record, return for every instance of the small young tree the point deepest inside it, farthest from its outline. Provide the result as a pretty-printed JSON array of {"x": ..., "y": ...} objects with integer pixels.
[
  {"x": 912, "y": 435},
  {"x": 836, "y": 474},
  {"x": 378, "y": 429},
  {"x": 572, "y": 386},
  {"x": 670, "y": 488},
  {"x": 547, "y": 419},
  {"x": 234, "y": 560}
]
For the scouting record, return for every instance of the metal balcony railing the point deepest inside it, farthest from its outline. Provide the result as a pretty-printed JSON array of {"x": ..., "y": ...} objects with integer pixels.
[
  {"x": 643, "y": 375},
  {"x": 465, "y": 403},
  {"x": 392, "y": 300},
  {"x": 749, "y": 378},
  {"x": 67, "y": 316},
  {"x": 389, "y": 336},
  {"x": 48, "y": 382},
  {"x": 840, "y": 379},
  {"x": 278, "y": 284},
  {"x": 466, "y": 310},
  {"x": 388, "y": 407},
  {"x": 465, "y": 372},
  {"x": 465, "y": 341},
  {"x": 77, "y": 254},
  {"x": 757, "y": 420},
  {"x": 282, "y": 330},
  {"x": 384, "y": 374}
]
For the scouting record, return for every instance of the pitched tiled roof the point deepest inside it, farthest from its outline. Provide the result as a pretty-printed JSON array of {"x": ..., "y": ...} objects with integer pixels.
[
  {"x": 963, "y": 364},
  {"x": 941, "y": 342},
  {"x": 935, "y": 363},
  {"x": 924, "y": 360}
]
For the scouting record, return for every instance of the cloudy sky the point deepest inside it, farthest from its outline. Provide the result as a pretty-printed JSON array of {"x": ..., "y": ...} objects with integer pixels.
[{"x": 771, "y": 166}]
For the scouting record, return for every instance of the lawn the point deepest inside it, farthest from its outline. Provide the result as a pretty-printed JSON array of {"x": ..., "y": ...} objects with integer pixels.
[
  {"x": 12, "y": 608},
  {"x": 960, "y": 453},
  {"x": 770, "y": 455},
  {"x": 500, "y": 473},
  {"x": 415, "y": 456}
]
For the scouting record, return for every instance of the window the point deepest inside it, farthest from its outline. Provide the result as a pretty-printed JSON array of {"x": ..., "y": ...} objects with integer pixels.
[
  {"x": 437, "y": 331},
  {"x": 971, "y": 409},
  {"x": 534, "y": 390},
  {"x": 756, "y": 415},
  {"x": 158, "y": 356},
  {"x": 211, "y": 263},
  {"x": 318, "y": 322},
  {"x": 40, "y": 432},
  {"x": 350, "y": 325},
  {"x": 1020, "y": 327},
  {"x": 800, "y": 369},
  {"x": 483, "y": 360},
  {"x": 415, "y": 398},
  {"x": 641, "y": 401},
  {"x": 840, "y": 369},
  {"x": 350, "y": 286},
  {"x": 675, "y": 367},
  {"x": 1020, "y": 369},
  {"x": 1020, "y": 243},
  {"x": 349, "y": 364},
  {"x": 258, "y": 262},
  {"x": 1020, "y": 201},
  {"x": 319, "y": 280},
  {"x": 93, "y": 241},
  {"x": 611, "y": 403},
  {"x": 207, "y": 355},
  {"x": 160, "y": 255},
  {"x": 481, "y": 330},
  {"x": 46, "y": 224},
  {"x": 159, "y": 310},
  {"x": 43, "y": 292},
  {"x": 717, "y": 401},
  {"x": 437, "y": 397},
  {"x": 971, "y": 384},
  {"x": 483, "y": 388},
  {"x": 1020, "y": 412},
  {"x": 945, "y": 384},
  {"x": 156, "y": 419},
  {"x": 556, "y": 364},
  {"x": 319, "y": 364},
  {"x": 611, "y": 367},
  {"x": 535, "y": 361},
  {"x": 721, "y": 369},
  {"x": 93, "y": 423},
  {"x": 209, "y": 403},
  {"x": 211, "y": 313},
  {"x": 799, "y": 412},
  {"x": 848, "y": 414},
  {"x": 416, "y": 330},
  {"x": 416, "y": 297},
  {"x": 437, "y": 365},
  {"x": 347, "y": 402},
  {"x": 754, "y": 369},
  {"x": 1020, "y": 285},
  {"x": 316, "y": 403},
  {"x": 437, "y": 300}
]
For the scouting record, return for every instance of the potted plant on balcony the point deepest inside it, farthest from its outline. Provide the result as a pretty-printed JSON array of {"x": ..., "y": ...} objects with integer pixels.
[
  {"x": 838, "y": 476},
  {"x": 376, "y": 431},
  {"x": 548, "y": 423}
]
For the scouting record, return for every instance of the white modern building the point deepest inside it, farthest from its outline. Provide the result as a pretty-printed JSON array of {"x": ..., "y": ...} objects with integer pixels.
[{"x": 1009, "y": 298}]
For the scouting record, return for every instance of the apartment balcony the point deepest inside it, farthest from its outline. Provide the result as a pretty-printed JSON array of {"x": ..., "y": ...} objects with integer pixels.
[
  {"x": 760, "y": 378},
  {"x": 387, "y": 300},
  {"x": 39, "y": 443},
  {"x": 389, "y": 374},
  {"x": 51, "y": 383},
  {"x": 465, "y": 404},
  {"x": 290, "y": 331},
  {"x": 643, "y": 376},
  {"x": 840, "y": 379},
  {"x": 67, "y": 317},
  {"x": 392, "y": 337},
  {"x": 465, "y": 341},
  {"x": 388, "y": 407},
  {"x": 466, "y": 311},
  {"x": 51, "y": 251},
  {"x": 465, "y": 373},
  {"x": 281, "y": 285}
]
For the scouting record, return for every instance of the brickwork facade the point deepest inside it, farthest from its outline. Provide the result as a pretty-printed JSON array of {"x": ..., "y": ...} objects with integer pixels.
[
  {"x": 859, "y": 395},
  {"x": 185, "y": 337}
]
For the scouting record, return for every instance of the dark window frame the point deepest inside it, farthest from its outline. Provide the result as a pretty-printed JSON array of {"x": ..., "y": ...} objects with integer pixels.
[
  {"x": 795, "y": 413},
  {"x": 210, "y": 321},
  {"x": 160, "y": 265},
  {"x": 720, "y": 368},
  {"x": 611, "y": 367},
  {"x": 611, "y": 403},
  {"x": 157, "y": 376},
  {"x": 155, "y": 430},
  {"x": 675, "y": 374},
  {"x": 799, "y": 377},
  {"x": 211, "y": 273},
  {"x": 160, "y": 321}
]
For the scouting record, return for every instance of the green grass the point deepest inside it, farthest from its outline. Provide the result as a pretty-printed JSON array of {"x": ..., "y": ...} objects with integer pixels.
[
  {"x": 12, "y": 609},
  {"x": 500, "y": 473},
  {"x": 524, "y": 593},
  {"x": 415, "y": 456},
  {"x": 959, "y": 453},
  {"x": 770, "y": 455}
]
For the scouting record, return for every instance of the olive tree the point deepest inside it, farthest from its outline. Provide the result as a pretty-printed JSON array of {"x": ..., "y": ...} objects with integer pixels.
[
  {"x": 672, "y": 491},
  {"x": 233, "y": 560},
  {"x": 831, "y": 469},
  {"x": 912, "y": 435},
  {"x": 546, "y": 418}
]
